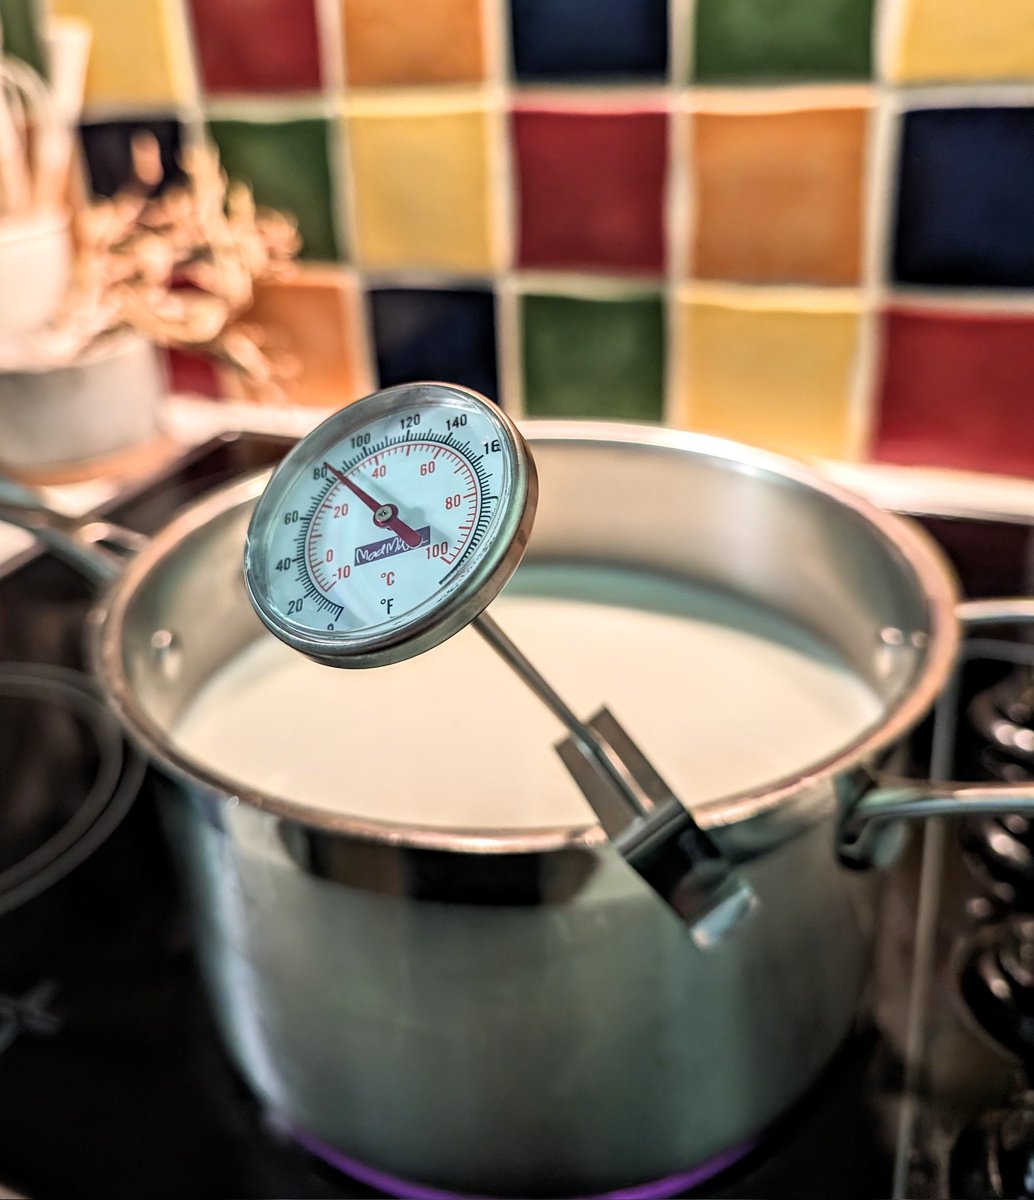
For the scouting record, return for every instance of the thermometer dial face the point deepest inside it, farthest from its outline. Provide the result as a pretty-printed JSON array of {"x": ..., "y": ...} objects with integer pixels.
[{"x": 391, "y": 525}]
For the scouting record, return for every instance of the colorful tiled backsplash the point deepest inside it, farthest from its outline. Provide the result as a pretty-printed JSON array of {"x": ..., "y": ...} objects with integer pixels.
[{"x": 807, "y": 224}]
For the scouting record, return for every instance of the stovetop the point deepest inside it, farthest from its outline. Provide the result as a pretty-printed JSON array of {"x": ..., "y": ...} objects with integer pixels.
[{"x": 113, "y": 1081}]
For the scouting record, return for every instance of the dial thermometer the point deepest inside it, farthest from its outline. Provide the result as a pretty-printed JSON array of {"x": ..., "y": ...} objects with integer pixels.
[{"x": 392, "y": 526}]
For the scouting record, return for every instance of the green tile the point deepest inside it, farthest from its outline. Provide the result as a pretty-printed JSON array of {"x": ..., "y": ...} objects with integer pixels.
[
  {"x": 21, "y": 21},
  {"x": 286, "y": 164},
  {"x": 594, "y": 358},
  {"x": 757, "y": 40}
]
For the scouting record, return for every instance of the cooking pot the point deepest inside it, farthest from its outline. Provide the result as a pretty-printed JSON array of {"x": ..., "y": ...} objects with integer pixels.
[{"x": 517, "y": 1013}]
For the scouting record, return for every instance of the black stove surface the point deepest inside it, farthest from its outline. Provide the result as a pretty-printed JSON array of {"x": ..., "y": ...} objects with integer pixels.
[{"x": 113, "y": 1081}]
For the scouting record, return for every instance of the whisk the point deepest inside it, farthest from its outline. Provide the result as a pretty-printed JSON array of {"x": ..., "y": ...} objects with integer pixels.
[{"x": 34, "y": 141}]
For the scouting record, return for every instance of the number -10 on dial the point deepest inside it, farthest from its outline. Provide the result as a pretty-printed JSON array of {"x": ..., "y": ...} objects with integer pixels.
[{"x": 391, "y": 526}]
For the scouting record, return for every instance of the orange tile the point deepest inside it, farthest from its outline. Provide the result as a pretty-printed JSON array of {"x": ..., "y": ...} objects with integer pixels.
[
  {"x": 779, "y": 195},
  {"x": 413, "y": 42},
  {"x": 311, "y": 325}
]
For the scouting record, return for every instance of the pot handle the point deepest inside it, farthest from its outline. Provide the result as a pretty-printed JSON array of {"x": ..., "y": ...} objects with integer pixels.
[
  {"x": 873, "y": 807},
  {"x": 96, "y": 549}
]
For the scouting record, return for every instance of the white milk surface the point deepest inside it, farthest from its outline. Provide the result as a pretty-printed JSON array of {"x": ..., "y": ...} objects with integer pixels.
[{"x": 720, "y": 695}]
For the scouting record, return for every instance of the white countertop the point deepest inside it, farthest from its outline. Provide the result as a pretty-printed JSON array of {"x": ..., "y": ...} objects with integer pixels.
[{"x": 188, "y": 422}]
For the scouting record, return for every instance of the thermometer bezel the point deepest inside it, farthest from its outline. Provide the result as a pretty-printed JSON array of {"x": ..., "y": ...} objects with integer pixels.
[{"x": 476, "y": 587}]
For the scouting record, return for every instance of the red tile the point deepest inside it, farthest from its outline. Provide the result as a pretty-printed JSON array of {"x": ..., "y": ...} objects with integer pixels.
[
  {"x": 956, "y": 391},
  {"x": 591, "y": 189},
  {"x": 192, "y": 373},
  {"x": 257, "y": 45}
]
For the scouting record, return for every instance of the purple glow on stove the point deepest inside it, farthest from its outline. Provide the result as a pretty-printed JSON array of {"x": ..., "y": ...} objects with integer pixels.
[{"x": 405, "y": 1189}]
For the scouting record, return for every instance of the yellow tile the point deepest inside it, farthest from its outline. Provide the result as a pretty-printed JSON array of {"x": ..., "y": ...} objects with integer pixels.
[
  {"x": 138, "y": 51},
  {"x": 772, "y": 367},
  {"x": 422, "y": 186},
  {"x": 311, "y": 327},
  {"x": 961, "y": 39}
]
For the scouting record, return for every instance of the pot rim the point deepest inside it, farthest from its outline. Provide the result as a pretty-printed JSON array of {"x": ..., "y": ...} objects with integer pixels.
[{"x": 914, "y": 550}]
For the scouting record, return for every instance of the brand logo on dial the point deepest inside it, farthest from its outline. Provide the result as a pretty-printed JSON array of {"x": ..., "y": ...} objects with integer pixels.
[{"x": 375, "y": 551}]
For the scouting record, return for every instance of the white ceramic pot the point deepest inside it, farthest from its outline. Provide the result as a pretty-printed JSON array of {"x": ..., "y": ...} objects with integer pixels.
[
  {"x": 35, "y": 270},
  {"x": 105, "y": 401}
]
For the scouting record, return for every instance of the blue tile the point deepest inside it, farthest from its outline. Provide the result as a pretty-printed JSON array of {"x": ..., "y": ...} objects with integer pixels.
[
  {"x": 108, "y": 149},
  {"x": 431, "y": 334},
  {"x": 965, "y": 215},
  {"x": 552, "y": 39}
]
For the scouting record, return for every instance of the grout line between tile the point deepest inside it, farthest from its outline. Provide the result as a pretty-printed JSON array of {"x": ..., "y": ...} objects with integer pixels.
[
  {"x": 681, "y": 41},
  {"x": 345, "y": 229},
  {"x": 330, "y": 29},
  {"x": 503, "y": 205},
  {"x": 888, "y": 36},
  {"x": 495, "y": 42},
  {"x": 100, "y": 113},
  {"x": 878, "y": 198},
  {"x": 763, "y": 297},
  {"x": 963, "y": 302},
  {"x": 979, "y": 94},
  {"x": 679, "y": 210},
  {"x": 295, "y": 107},
  {"x": 502, "y": 199},
  {"x": 586, "y": 286},
  {"x": 508, "y": 338},
  {"x": 779, "y": 98},
  {"x": 341, "y": 185},
  {"x": 427, "y": 279},
  {"x": 366, "y": 334},
  {"x": 862, "y": 395},
  {"x": 179, "y": 35},
  {"x": 591, "y": 98},
  {"x": 331, "y": 33}
]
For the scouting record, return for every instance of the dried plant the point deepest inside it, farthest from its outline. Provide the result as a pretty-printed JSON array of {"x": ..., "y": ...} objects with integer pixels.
[{"x": 178, "y": 268}]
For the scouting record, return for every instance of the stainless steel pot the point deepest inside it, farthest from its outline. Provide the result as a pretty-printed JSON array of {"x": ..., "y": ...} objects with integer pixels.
[{"x": 519, "y": 1014}]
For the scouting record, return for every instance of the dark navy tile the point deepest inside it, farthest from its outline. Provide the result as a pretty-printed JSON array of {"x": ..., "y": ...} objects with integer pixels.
[
  {"x": 109, "y": 154},
  {"x": 965, "y": 215},
  {"x": 553, "y": 39},
  {"x": 431, "y": 334}
]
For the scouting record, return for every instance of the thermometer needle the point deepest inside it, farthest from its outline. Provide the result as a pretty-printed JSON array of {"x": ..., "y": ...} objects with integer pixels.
[{"x": 385, "y": 515}]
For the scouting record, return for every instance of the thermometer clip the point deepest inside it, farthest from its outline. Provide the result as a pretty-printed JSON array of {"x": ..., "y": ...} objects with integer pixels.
[{"x": 657, "y": 837}]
